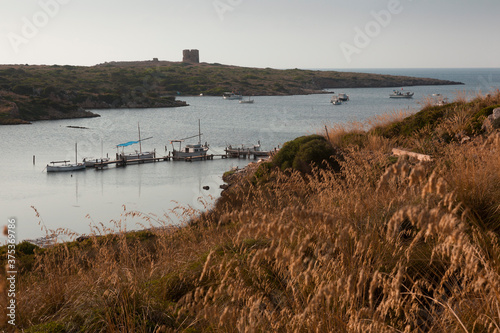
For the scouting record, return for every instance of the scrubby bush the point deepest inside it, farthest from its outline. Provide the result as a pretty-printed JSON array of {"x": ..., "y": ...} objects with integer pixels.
[
  {"x": 300, "y": 154},
  {"x": 478, "y": 118}
]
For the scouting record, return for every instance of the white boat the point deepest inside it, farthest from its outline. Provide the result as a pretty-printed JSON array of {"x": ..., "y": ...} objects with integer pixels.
[
  {"x": 138, "y": 154},
  {"x": 343, "y": 97},
  {"x": 196, "y": 151},
  {"x": 61, "y": 166},
  {"x": 91, "y": 162},
  {"x": 401, "y": 94},
  {"x": 246, "y": 101},
  {"x": 335, "y": 100},
  {"x": 190, "y": 151},
  {"x": 244, "y": 150},
  {"x": 231, "y": 95}
]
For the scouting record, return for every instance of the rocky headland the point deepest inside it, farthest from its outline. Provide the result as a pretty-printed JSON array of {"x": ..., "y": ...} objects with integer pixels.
[{"x": 30, "y": 93}]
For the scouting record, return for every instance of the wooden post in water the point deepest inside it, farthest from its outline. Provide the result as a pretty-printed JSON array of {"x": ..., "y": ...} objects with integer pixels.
[{"x": 33, "y": 159}]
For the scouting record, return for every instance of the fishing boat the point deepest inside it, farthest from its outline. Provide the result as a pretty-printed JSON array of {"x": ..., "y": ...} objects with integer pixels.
[
  {"x": 138, "y": 154},
  {"x": 335, "y": 100},
  {"x": 244, "y": 150},
  {"x": 343, "y": 97},
  {"x": 196, "y": 151},
  {"x": 401, "y": 94},
  {"x": 91, "y": 162},
  {"x": 246, "y": 101},
  {"x": 61, "y": 166},
  {"x": 231, "y": 95}
]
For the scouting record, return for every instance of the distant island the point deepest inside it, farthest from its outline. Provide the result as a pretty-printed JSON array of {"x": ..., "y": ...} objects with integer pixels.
[{"x": 38, "y": 92}]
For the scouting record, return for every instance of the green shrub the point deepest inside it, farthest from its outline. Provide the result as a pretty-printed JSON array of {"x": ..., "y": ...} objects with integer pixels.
[
  {"x": 478, "y": 118},
  {"x": 263, "y": 171},
  {"x": 315, "y": 152},
  {"x": 26, "y": 248},
  {"x": 427, "y": 117},
  {"x": 298, "y": 154}
]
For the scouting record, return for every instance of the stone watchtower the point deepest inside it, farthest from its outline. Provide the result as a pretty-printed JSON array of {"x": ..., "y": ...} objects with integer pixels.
[{"x": 191, "y": 56}]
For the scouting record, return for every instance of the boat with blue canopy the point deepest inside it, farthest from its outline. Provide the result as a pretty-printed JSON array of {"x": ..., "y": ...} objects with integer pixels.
[{"x": 138, "y": 154}]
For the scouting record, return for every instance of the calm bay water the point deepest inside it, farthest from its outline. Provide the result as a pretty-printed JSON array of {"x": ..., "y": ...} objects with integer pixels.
[{"x": 77, "y": 201}]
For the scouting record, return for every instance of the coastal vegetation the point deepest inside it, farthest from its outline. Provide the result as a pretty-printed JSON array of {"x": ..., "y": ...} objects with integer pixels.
[
  {"x": 332, "y": 234},
  {"x": 29, "y": 93}
]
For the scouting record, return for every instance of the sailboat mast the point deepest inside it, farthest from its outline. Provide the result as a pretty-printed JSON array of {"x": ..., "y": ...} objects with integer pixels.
[
  {"x": 140, "y": 145},
  {"x": 199, "y": 132},
  {"x": 76, "y": 153}
]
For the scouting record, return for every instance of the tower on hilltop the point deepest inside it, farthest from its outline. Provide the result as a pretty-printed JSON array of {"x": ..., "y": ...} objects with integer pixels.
[{"x": 191, "y": 56}]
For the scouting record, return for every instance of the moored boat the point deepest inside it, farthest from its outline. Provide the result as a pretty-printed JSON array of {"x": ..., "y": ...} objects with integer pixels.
[
  {"x": 245, "y": 150},
  {"x": 138, "y": 154},
  {"x": 401, "y": 94},
  {"x": 246, "y": 101},
  {"x": 196, "y": 151},
  {"x": 335, "y": 100},
  {"x": 91, "y": 162},
  {"x": 61, "y": 166},
  {"x": 231, "y": 95},
  {"x": 343, "y": 97}
]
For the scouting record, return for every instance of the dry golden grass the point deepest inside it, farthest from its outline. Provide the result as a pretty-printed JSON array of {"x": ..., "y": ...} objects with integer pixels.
[{"x": 381, "y": 246}]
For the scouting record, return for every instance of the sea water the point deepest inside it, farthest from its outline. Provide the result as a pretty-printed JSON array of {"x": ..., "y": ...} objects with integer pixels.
[{"x": 154, "y": 194}]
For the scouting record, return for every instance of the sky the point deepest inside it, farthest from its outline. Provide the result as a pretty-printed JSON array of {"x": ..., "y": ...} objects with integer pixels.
[{"x": 254, "y": 33}]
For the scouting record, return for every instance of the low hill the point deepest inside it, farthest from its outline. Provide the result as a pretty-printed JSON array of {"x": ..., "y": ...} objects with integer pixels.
[
  {"x": 359, "y": 241},
  {"x": 29, "y": 93}
]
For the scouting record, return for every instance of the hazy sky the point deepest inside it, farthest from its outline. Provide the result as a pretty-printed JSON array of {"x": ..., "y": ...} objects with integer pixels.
[{"x": 254, "y": 33}]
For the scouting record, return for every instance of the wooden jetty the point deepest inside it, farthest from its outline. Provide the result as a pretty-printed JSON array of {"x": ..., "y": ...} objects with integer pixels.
[
  {"x": 121, "y": 162},
  {"x": 203, "y": 157}
]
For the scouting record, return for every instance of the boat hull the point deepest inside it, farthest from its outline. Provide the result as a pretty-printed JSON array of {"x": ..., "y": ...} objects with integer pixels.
[
  {"x": 230, "y": 96},
  {"x": 136, "y": 156},
  {"x": 90, "y": 163},
  {"x": 191, "y": 152},
  {"x": 65, "y": 168},
  {"x": 401, "y": 96},
  {"x": 343, "y": 97}
]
